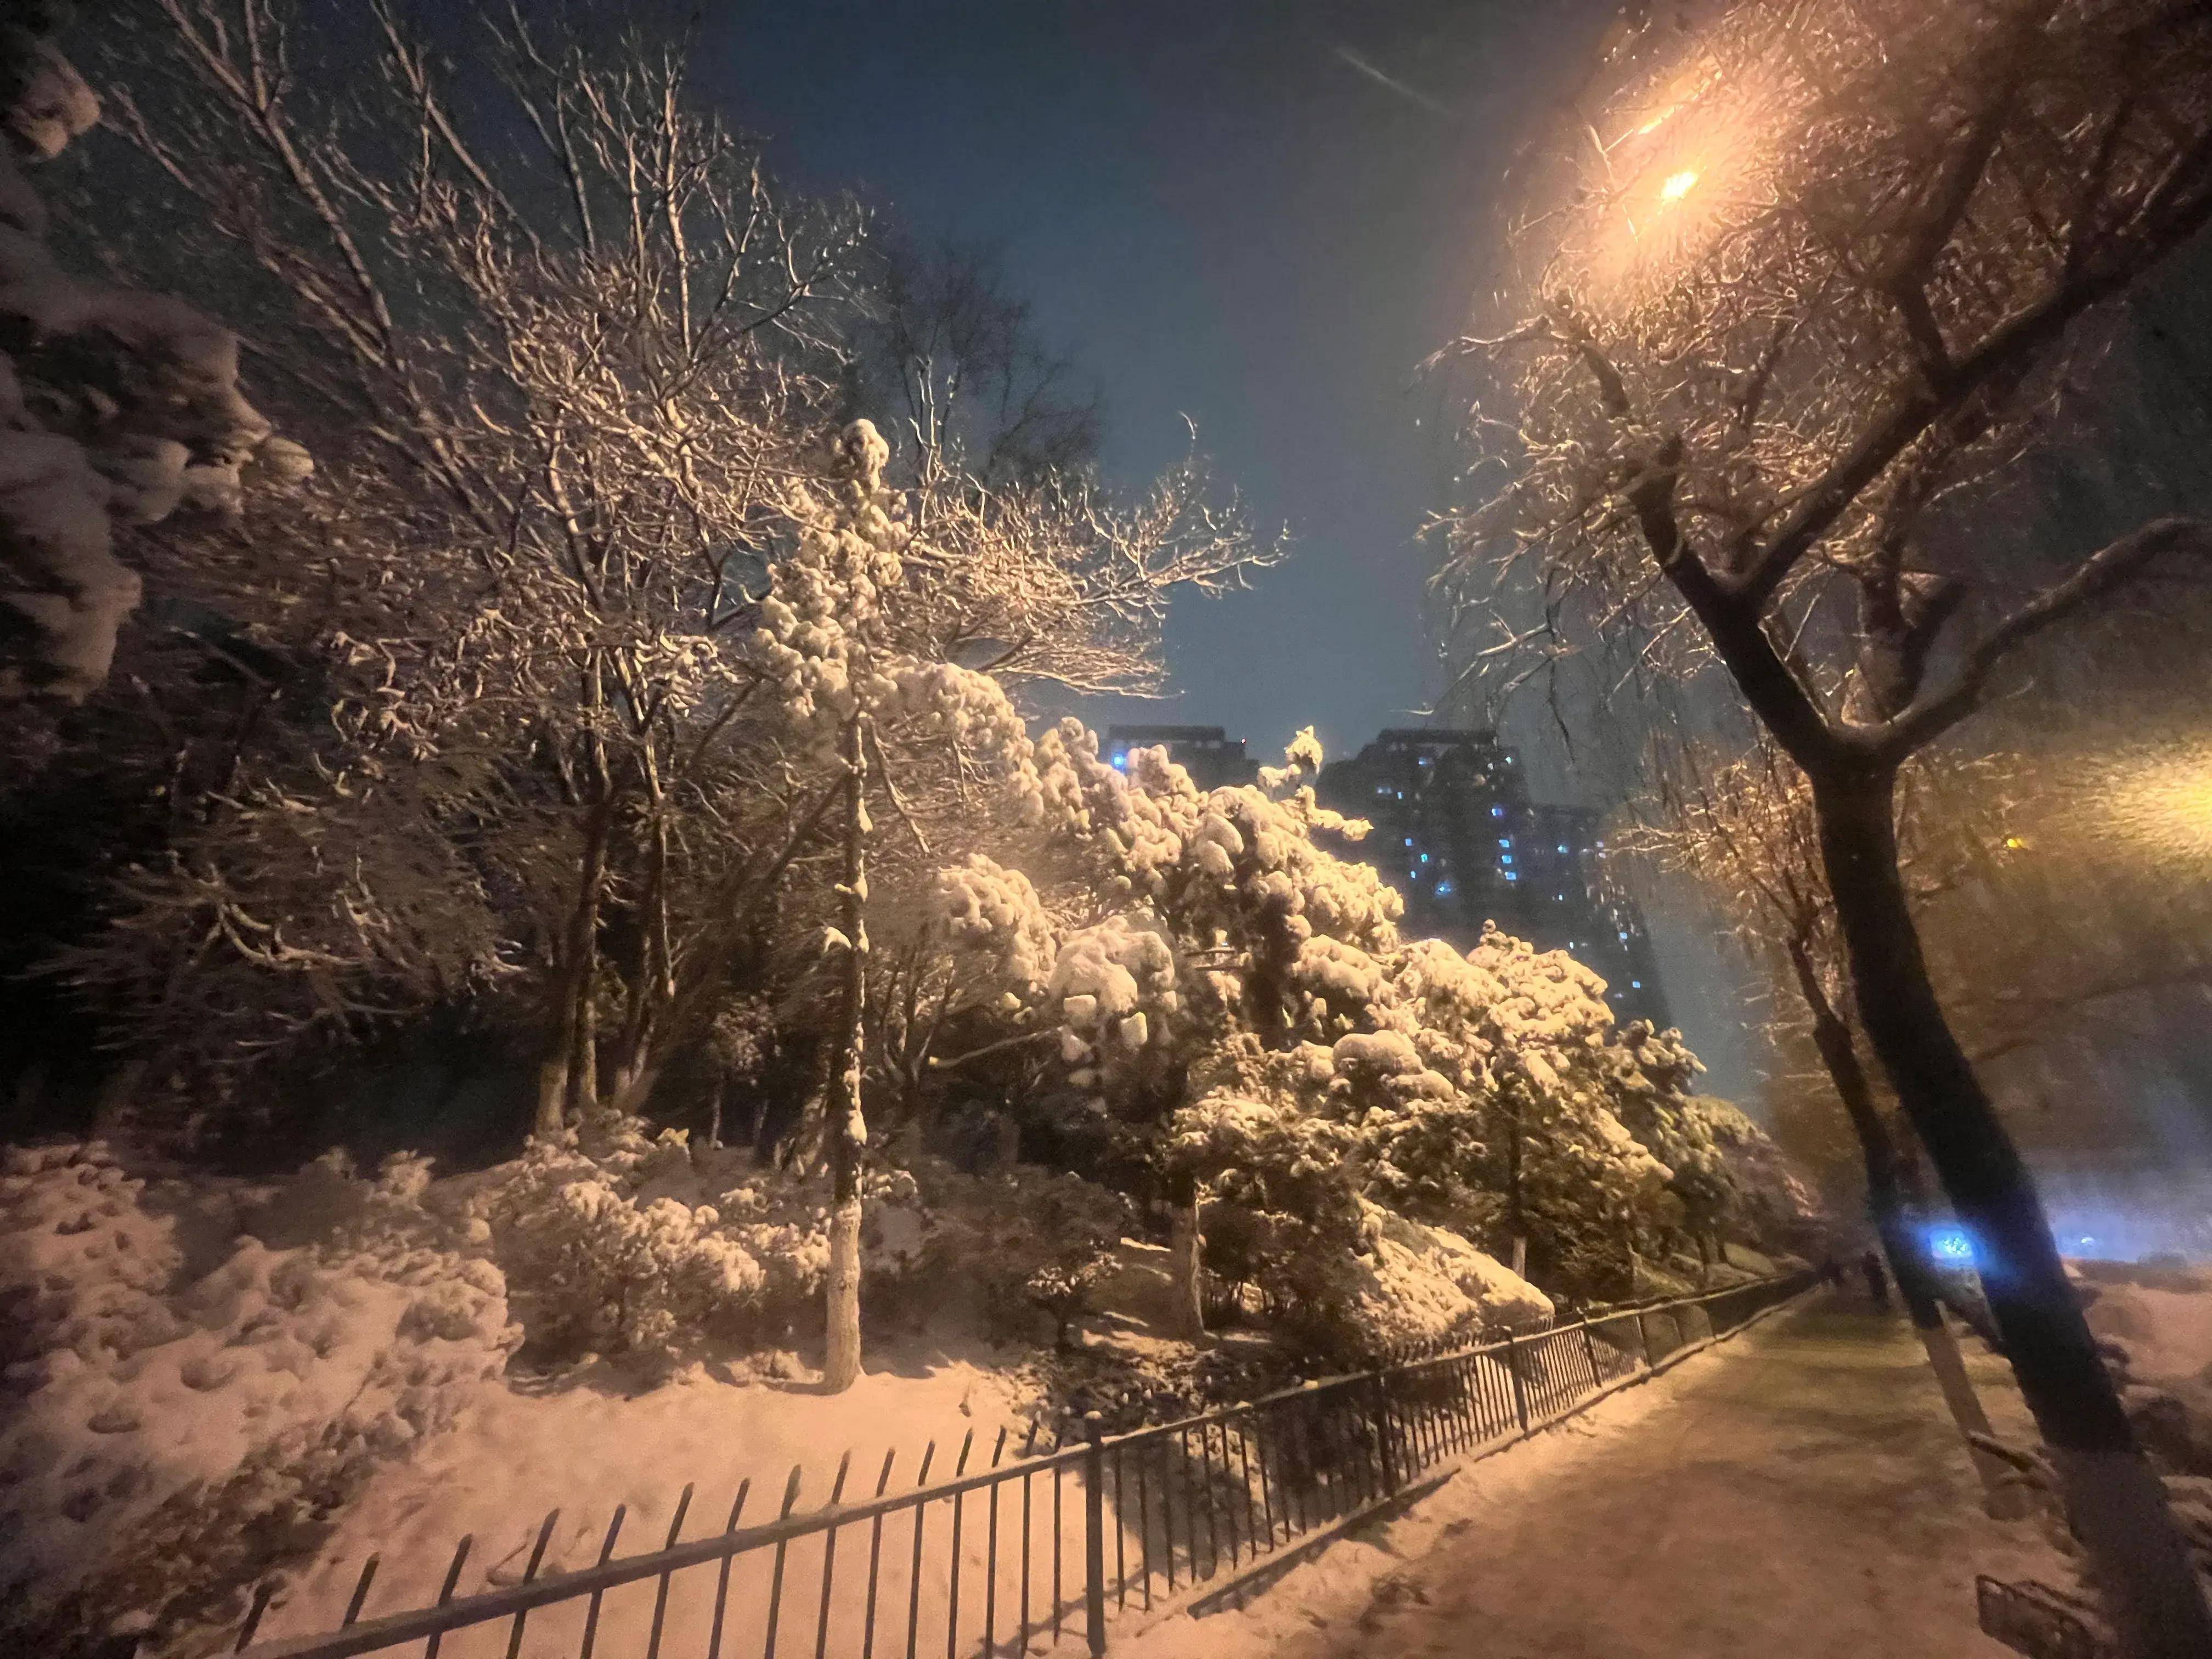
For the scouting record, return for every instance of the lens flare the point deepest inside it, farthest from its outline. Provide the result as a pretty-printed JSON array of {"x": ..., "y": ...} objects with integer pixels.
[
  {"x": 1678, "y": 184},
  {"x": 2161, "y": 802}
]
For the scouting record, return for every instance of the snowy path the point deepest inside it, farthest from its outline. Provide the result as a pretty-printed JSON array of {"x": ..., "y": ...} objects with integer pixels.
[{"x": 1798, "y": 1491}]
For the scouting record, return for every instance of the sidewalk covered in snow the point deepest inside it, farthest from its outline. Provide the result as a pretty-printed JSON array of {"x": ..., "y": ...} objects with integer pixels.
[{"x": 1797, "y": 1491}]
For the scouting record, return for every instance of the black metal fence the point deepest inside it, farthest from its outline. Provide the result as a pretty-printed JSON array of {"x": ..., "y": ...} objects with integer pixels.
[{"x": 1050, "y": 1547}]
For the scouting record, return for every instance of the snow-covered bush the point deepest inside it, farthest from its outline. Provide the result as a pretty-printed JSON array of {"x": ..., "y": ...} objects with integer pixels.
[
  {"x": 609, "y": 1248},
  {"x": 188, "y": 1406}
]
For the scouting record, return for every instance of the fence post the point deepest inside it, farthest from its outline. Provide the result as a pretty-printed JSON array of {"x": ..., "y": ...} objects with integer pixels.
[
  {"x": 1380, "y": 1411},
  {"x": 1520, "y": 1388},
  {"x": 1094, "y": 1533},
  {"x": 1590, "y": 1352},
  {"x": 1644, "y": 1329}
]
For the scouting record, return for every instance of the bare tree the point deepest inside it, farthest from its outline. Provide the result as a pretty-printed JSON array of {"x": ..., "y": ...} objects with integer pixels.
[
  {"x": 948, "y": 356},
  {"x": 1798, "y": 288}
]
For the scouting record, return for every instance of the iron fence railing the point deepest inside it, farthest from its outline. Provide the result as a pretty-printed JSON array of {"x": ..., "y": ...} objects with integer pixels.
[{"x": 1049, "y": 1547}]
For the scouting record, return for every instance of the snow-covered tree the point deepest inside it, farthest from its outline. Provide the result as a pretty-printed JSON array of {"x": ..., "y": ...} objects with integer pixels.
[
  {"x": 541, "y": 605},
  {"x": 1794, "y": 289},
  {"x": 120, "y": 406}
]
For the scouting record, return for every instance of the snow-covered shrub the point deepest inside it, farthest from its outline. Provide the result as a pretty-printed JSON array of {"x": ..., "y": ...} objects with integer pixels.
[
  {"x": 176, "y": 1428},
  {"x": 606, "y": 1250}
]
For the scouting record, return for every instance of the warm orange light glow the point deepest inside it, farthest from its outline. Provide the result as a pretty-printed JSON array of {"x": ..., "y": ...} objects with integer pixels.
[{"x": 1678, "y": 185}]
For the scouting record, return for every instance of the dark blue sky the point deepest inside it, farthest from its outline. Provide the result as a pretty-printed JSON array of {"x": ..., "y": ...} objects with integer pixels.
[
  {"x": 1216, "y": 215},
  {"x": 1219, "y": 214}
]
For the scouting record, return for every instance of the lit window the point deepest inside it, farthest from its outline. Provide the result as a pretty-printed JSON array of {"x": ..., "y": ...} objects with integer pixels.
[
  {"x": 1381, "y": 788},
  {"x": 1506, "y": 841},
  {"x": 1623, "y": 938},
  {"x": 1409, "y": 841},
  {"x": 1424, "y": 760},
  {"x": 1505, "y": 858},
  {"x": 1638, "y": 983},
  {"x": 1425, "y": 858},
  {"x": 1444, "y": 889},
  {"x": 1497, "y": 811},
  {"x": 1563, "y": 846},
  {"x": 1120, "y": 762},
  {"x": 1510, "y": 876}
]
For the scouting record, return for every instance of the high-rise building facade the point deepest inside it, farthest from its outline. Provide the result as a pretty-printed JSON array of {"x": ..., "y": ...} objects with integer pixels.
[{"x": 1456, "y": 832}]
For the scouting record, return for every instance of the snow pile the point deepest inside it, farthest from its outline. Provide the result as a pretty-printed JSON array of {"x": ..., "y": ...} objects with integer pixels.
[
  {"x": 2155, "y": 1322},
  {"x": 1421, "y": 1286},
  {"x": 174, "y": 1422}
]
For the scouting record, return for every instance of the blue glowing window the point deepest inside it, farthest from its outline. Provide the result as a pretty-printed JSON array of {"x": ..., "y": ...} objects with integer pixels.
[
  {"x": 1409, "y": 841},
  {"x": 1444, "y": 889},
  {"x": 1637, "y": 983},
  {"x": 1506, "y": 841},
  {"x": 1497, "y": 811},
  {"x": 1505, "y": 858},
  {"x": 1563, "y": 846},
  {"x": 1120, "y": 762},
  {"x": 1511, "y": 876},
  {"x": 1425, "y": 858}
]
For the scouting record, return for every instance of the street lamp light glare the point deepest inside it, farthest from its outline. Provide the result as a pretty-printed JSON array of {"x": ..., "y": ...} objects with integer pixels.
[{"x": 1678, "y": 185}]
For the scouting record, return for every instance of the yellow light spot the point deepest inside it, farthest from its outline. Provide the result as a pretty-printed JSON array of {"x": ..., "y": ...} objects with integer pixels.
[
  {"x": 1678, "y": 186},
  {"x": 2013, "y": 844}
]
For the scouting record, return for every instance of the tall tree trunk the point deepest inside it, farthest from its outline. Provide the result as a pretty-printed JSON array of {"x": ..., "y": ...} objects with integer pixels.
[
  {"x": 651, "y": 988},
  {"x": 575, "y": 962},
  {"x": 848, "y": 1128},
  {"x": 1186, "y": 1246},
  {"x": 1886, "y": 1208},
  {"x": 2114, "y": 1499}
]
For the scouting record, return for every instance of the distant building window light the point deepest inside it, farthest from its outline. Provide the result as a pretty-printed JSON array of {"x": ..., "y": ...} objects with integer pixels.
[
  {"x": 1381, "y": 788},
  {"x": 1563, "y": 846},
  {"x": 1424, "y": 760},
  {"x": 1425, "y": 858},
  {"x": 1510, "y": 876},
  {"x": 1637, "y": 983},
  {"x": 1506, "y": 841},
  {"x": 1120, "y": 762},
  {"x": 1623, "y": 938},
  {"x": 1444, "y": 889},
  {"x": 1505, "y": 858},
  {"x": 1409, "y": 841},
  {"x": 1497, "y": 811}
]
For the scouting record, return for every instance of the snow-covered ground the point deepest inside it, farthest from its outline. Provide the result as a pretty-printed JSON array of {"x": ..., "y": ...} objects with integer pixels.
[
  {"x": 585, "y": 1448},
  {"x": 1799, "y": 1490}
]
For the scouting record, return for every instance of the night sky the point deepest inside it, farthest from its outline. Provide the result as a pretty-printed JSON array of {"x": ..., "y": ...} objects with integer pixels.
[{"x": 1259, "y": 215}]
